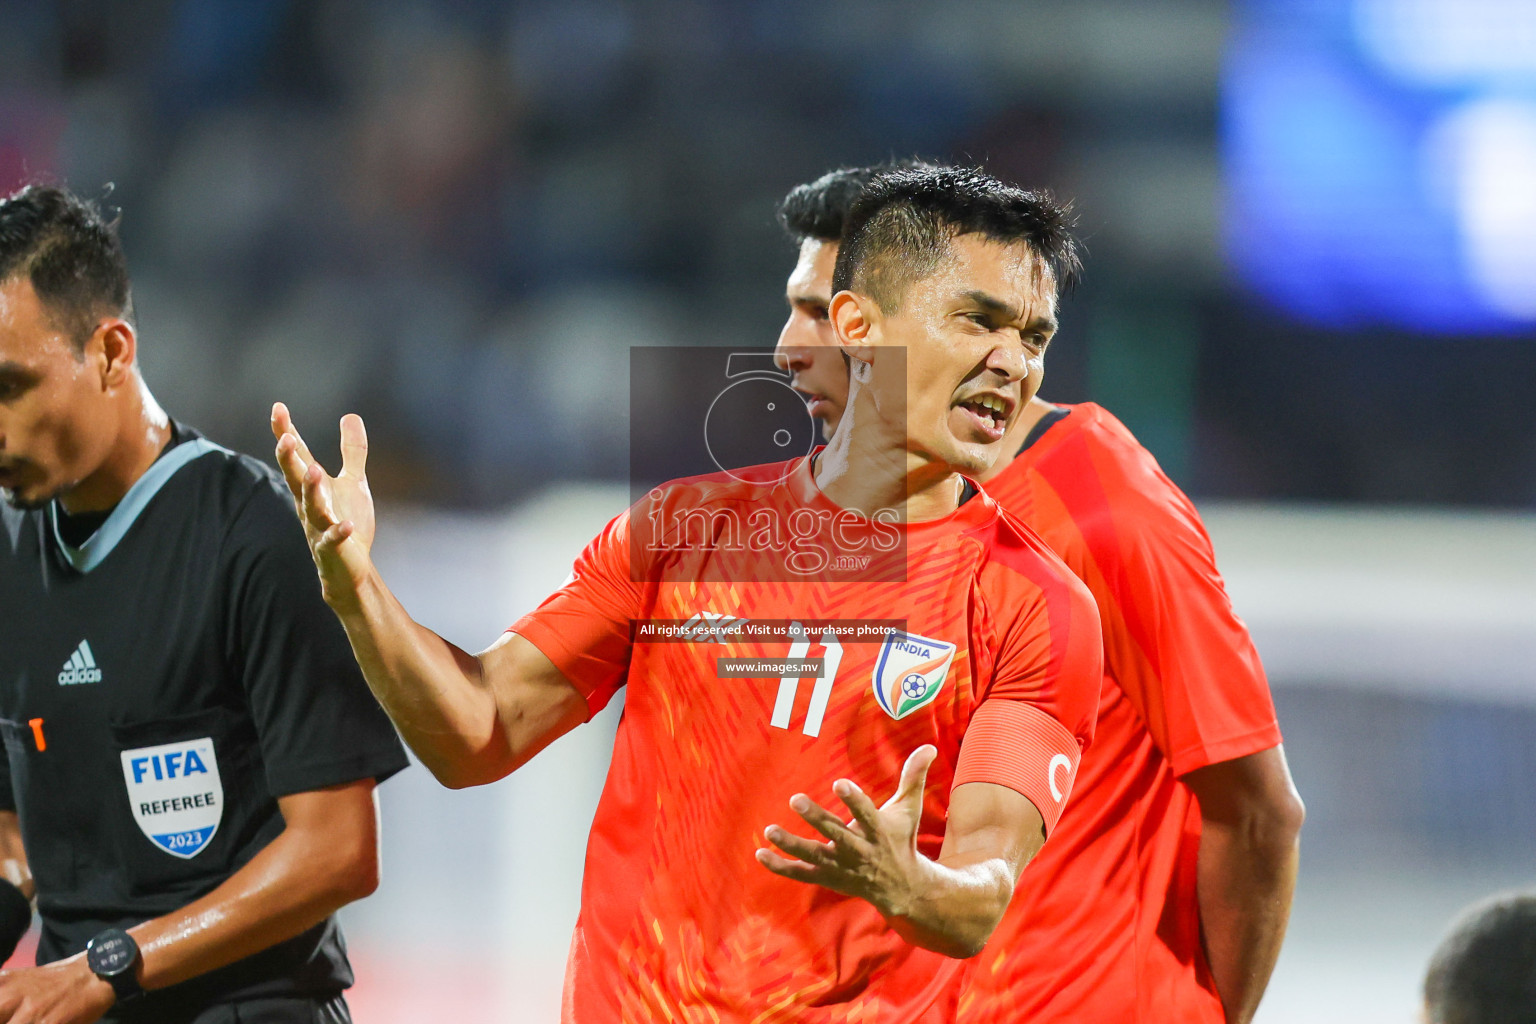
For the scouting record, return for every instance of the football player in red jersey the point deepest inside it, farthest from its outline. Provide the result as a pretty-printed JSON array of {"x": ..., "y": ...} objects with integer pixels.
[
  {"x": 973, "y": 712},
  {"x": 1185, "y": 821},
  {"x": 814, "y": 214}
]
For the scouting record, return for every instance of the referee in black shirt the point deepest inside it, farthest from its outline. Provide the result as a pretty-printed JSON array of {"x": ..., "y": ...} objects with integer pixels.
[{"x": 190, "y": 749}]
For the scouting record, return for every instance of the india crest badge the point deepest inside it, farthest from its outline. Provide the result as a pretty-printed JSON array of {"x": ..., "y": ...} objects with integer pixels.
[
  {"x": 909, "y": 671},
  {"x": 176, "y": 794}
]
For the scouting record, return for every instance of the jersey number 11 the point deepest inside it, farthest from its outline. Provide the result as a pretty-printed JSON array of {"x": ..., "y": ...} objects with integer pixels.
[{"x": 821, "y": 691}]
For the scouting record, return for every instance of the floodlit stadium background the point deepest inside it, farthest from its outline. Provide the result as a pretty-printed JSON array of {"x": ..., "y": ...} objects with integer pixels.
[{"x": 1312, "y": 293}]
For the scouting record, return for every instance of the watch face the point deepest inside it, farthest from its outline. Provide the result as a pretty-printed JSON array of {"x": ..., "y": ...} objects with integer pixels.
[{"x": 111, "y": 953}]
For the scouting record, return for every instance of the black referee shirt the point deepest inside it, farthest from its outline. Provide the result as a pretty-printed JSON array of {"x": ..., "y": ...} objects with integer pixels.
[{"x": 161, "y": 684}]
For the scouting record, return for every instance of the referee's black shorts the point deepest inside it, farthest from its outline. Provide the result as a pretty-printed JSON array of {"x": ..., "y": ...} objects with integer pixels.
[{"x": 249, "y": 1011}]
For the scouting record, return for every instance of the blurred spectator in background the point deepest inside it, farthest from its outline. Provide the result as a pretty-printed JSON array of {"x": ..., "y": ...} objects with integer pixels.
[{"x": 1484, "y": 971}]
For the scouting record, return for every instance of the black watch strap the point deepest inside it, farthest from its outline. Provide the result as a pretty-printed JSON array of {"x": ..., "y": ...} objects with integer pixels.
[
  {"x": 113, "y": 957},
  {"x": 125, "y": 986}
]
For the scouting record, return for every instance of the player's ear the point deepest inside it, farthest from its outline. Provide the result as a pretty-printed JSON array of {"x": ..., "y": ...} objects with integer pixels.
[
  {"x": 855, "y": 323},
  {"x": 118, "y": 345}
]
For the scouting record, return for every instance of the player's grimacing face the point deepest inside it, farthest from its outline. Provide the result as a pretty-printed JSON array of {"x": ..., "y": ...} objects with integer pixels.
[
  {"x": 975, "y": 333},
  {"x": 52, "y": 413},
  {"x": 807, "y": 345}
]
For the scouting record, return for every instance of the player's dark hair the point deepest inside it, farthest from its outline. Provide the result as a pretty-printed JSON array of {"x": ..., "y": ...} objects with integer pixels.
[
  {"x": 818, "y": 209},
  {"x": 1484, "y": 970},
  {"x": 900, "y": 227},
  {"x": 71, "y": 254}
]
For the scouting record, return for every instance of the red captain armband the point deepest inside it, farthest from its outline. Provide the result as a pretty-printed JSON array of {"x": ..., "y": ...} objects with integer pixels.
[{"x": 1014, "y": 744}]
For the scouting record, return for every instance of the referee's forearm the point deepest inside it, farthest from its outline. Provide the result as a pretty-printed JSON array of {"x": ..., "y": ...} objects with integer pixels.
[
  {"x": 325, "y": 857},
  {"x": 432, "y": 690}
]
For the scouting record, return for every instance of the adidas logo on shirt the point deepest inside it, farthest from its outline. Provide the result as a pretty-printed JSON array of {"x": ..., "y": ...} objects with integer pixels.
[
  {"x": 712, "y": 626},
  {"x": 81, "y": 667}
]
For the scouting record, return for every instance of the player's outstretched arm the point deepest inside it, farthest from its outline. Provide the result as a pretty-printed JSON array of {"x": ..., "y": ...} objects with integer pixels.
[
  {"x": 950, "y": 905},
  {"x": 471, "y": 719},
  {"x": 1250, "y": 828}
]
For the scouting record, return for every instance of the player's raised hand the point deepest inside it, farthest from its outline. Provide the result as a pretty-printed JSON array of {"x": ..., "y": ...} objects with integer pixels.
[
  {"x": 874, "y": 857},
  {"x": 337, "y": 511}
]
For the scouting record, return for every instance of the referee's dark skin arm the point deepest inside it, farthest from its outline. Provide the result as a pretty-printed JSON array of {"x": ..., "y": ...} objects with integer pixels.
[{"x": 325, "y": 857}]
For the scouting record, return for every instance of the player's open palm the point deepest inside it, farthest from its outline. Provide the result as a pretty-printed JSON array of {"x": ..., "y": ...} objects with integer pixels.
[
  {"x": 874, "y": 857},
  {"x": 337, "y": 511}
]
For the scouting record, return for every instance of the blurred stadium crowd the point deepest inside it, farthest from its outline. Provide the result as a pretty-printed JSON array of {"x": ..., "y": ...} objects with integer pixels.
[{"x": 458, "y": 217}]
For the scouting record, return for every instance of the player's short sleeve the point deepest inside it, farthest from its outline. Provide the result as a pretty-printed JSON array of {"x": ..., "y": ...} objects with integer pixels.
[
  {"x": 1040, "y": 700},
  {"x": 1174, "y": 643},
  {"x": 316, "y": 721},
  {"x": 585, "y": 627}
]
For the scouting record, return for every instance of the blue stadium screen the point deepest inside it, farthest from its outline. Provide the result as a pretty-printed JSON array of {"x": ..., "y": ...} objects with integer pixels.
[{"x": 1380, "y": 161}]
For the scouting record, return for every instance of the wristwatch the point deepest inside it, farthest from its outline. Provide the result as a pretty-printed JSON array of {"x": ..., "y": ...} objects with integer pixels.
[{"x": 113, "y": 957}]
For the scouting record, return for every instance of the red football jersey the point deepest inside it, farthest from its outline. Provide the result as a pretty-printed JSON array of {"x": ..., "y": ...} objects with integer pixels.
[
  {"x": 678, "y": 920},
  {"x": 1105, "y": 927}
]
